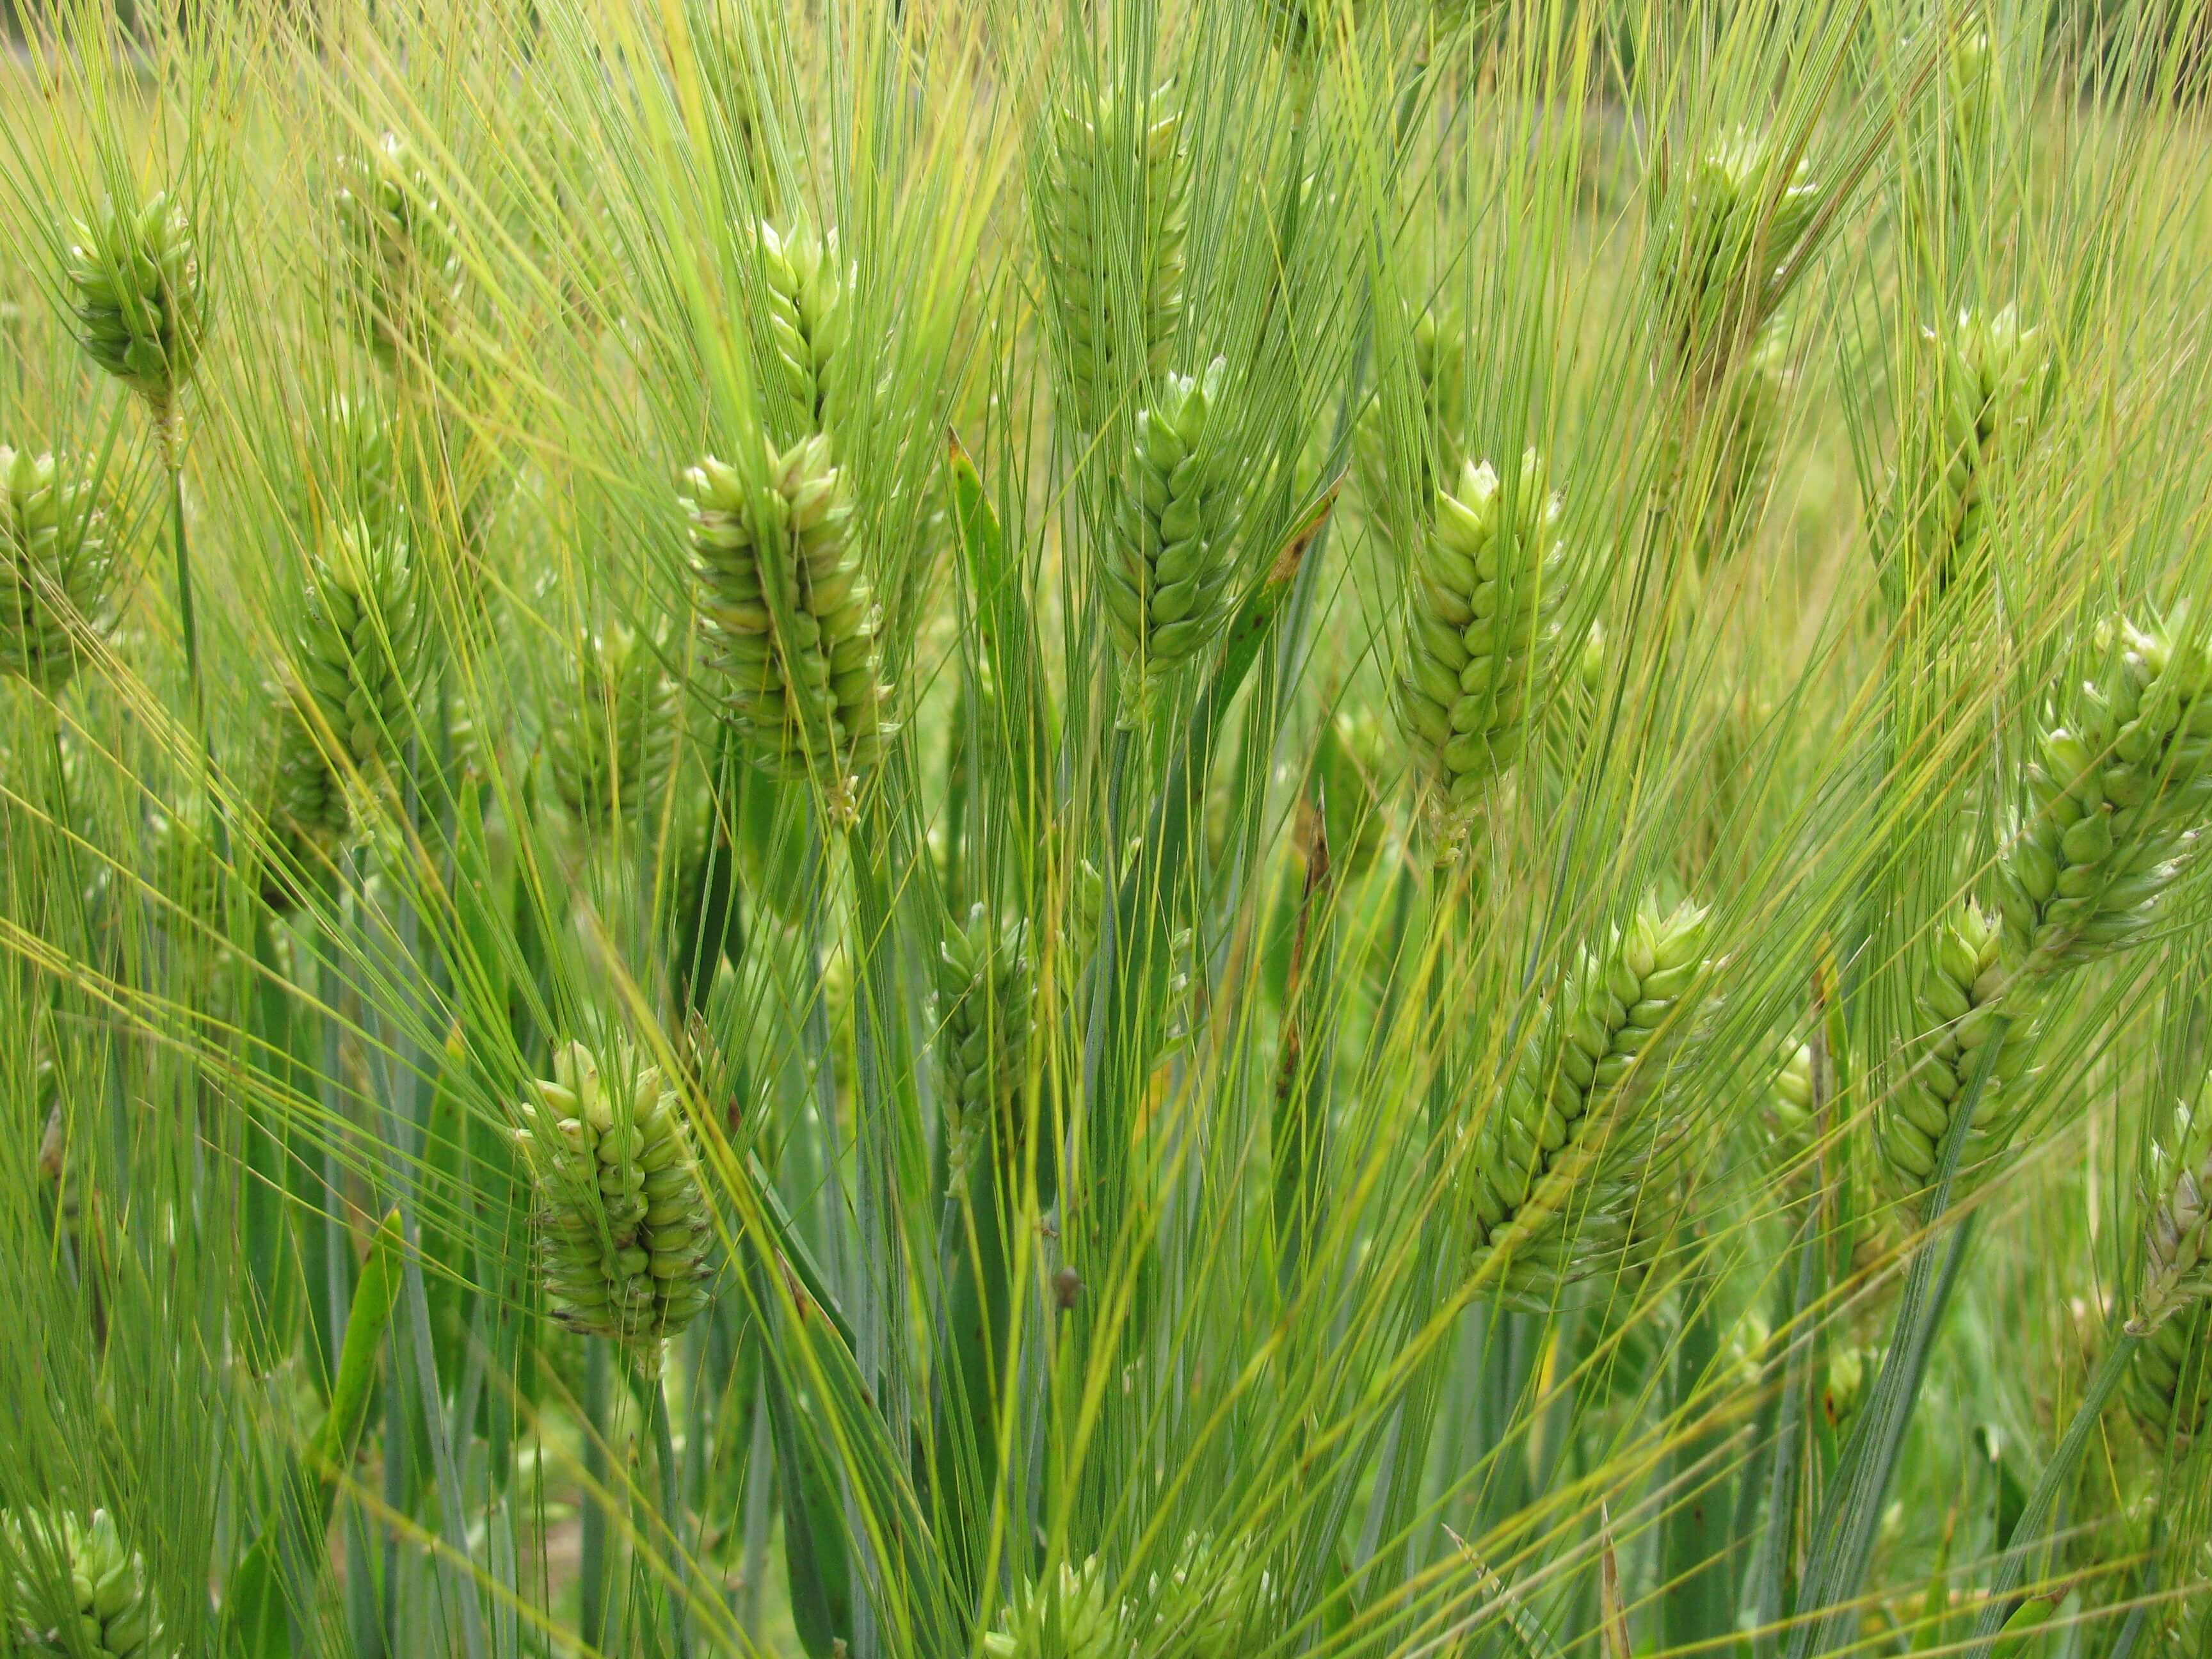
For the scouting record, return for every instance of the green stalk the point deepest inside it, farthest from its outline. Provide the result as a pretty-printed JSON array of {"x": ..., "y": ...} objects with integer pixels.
[
  {"x": 1845, "y": 1537},
  {"x": 591, "y": 1567},
  {"x": 671, "y": 1503},
  {"x": 1695, "y": 1608},
  {"x": 2027, "y": 1531}
]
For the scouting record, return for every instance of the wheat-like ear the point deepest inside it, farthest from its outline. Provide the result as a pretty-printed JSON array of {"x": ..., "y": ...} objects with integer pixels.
[
  {"x": 362, "y": 642},
  {"x": 804, "y": 288},
  {"x": 2168, "y": 1388},
  {"x": 1960, "y": 994},
  {"x": 791, "y": 624},
  {"x": 1113, "y": 221},
  {"x": 1559, "y": 1162},
  {"x": 2116, "y": 797},
  {"x": 1990, "y": 383},
  {"x": 1440, "y": 366},
  {"x": 2178, "y": 1242},
  {"x": 1484, "y": 583},
  {"x": 611, "y": 732},
  {"x": 134, "y": 273},
  {"x": 1166, "y": 582},
  {"x": 81, "y": 1589},
  {"x": 1722, "y": 238},
  {"x": 986, "y": 990},
  {"x": 1068, "y": 1614},
  {"x": 1210, "y": 1604},
  {"x": 622, "y": 1219},
  {"x": 401, "y": 257},
  {"x": 55, "y": 564}
]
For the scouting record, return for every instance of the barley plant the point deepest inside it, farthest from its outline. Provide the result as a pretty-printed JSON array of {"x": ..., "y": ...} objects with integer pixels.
[{"x": 1106, "y": 829}]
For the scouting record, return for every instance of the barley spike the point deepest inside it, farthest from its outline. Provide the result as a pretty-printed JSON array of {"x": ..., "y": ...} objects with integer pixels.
[
  {"x": 622, "y": 1219},
  {"x": 55, "y": 561},
  {"x": 1558, "y": 1165},
  {"x": 141, "y": 306},
  {"x": 80, "y": 1589}
]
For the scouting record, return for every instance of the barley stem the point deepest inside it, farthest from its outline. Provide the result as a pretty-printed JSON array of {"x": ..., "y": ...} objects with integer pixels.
[
  {"x": 591, "y": 1568},
  {"x": 655, "y": 1393},
  {"x": 2057, "y": 1476}
]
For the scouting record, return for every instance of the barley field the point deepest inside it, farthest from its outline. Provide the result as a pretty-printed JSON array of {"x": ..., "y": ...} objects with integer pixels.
[{"x": 1106, "y": 829}]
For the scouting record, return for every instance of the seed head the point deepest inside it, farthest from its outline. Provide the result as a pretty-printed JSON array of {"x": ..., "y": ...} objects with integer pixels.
[
  {"x": 140, "y": 311},
  {"x": 1555, "y": 1179},
  {"x": 2169, "y": 1387},
  {"x": 984, "y": 994},
  {"x": 361, "y": 641},
  {"x": 611, "y": 733},
  {"x": 790, "y": 625},
  {"x": 1166, "y": 583},
  {"x": 803, "y": 291},
  {"x": 1440, "y": 366},
  {"x": 55, "y": 561},
  {"x": 1113, "y": 220},
  {"x": 2178, "y": 1243},
  {"x": 1209, "y": 1602},
  {"x": 402, "y": 266},
  {"x": 79, "y": 1589},
  {"x": 2115, "y": 799},
  {"x": 1751, "y": 409},
  {"x": 1069, "y": 1615},
  {"x": 621, "y": 1217},
  {"x": 1962, "y": 989},
  {"x": 1990, "y": 388},
  {"x": 1726, "y": 231},
  {"x": 1482, "y": 587}
]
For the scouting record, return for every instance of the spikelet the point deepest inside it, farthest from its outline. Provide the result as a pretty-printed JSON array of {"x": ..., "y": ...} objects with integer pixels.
[
  {"x": 1112, "y": 213},
  {"x": 1210, "y": 1605},
  {"x": 1791, "y": 1132},
  {"x": 612, "y": 732},
  {"x": 790, "y": 626},
  {"x": 621, "y": 1217},
  {"x": 984, "y": 995},
  {"x": 134, "y": 273},
  {"x": 802, "y": 293},
  {"x": 1962, "y": 990},
  {"x": 2116, "y": 798},
  {"x": 1166, "y": 583},
  {"x": 55, "y": 561},
  {"x": 401, "y": 260},
  {"x": 1725, "y": 232},
  {"x": 1751, "y": 409},
  {"x": 79, "y": 1589},
  {"x": 2168, "y": 1389},
  {"x": 362, "y": 642},
  {"x": 1990, "y": 388},
  {"x": 2178, "y": 1243},
  {"x": 1070, "y": 1614},
  {"x": 1555, "y": 1177},
  {"x": 1440, "y": 366},
  {"x": 356, "y": 474},
  {"x": 1482, "y": 587}
]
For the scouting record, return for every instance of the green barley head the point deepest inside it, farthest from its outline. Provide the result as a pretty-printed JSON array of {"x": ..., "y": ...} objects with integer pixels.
[
  {"x": 362, "y": 642},
  {"x": 402, "y": 267},
  {"x": 55, "y": 563},
  {"x": 1557, "y": 1167},
  {"x": 141, "y": 304},
  {"x": 2177, "y": 1240},
  {"x": 79, "y": 1588},
  {"x": 1070, "y": 1614},
  {"x": 790, "y": 622},
  {"x": 1112, "y": 221},
  {"x": 1166, "y": 582},
  {"x": 612, "y": 732},
  {"x": 803, "y": 294},
  {"x": 2168, "y": 1388},
  {"x": 1991, "y": 379},
  {"x": 985, "y": 989},
  {"x": 2116, "y": 796},
  {"x": 622, "y": 1222},
  {"x": 1481, "y": 591},
  {"x": 1726, "y": 230},
  {"x": 1961, "y": 992}
]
